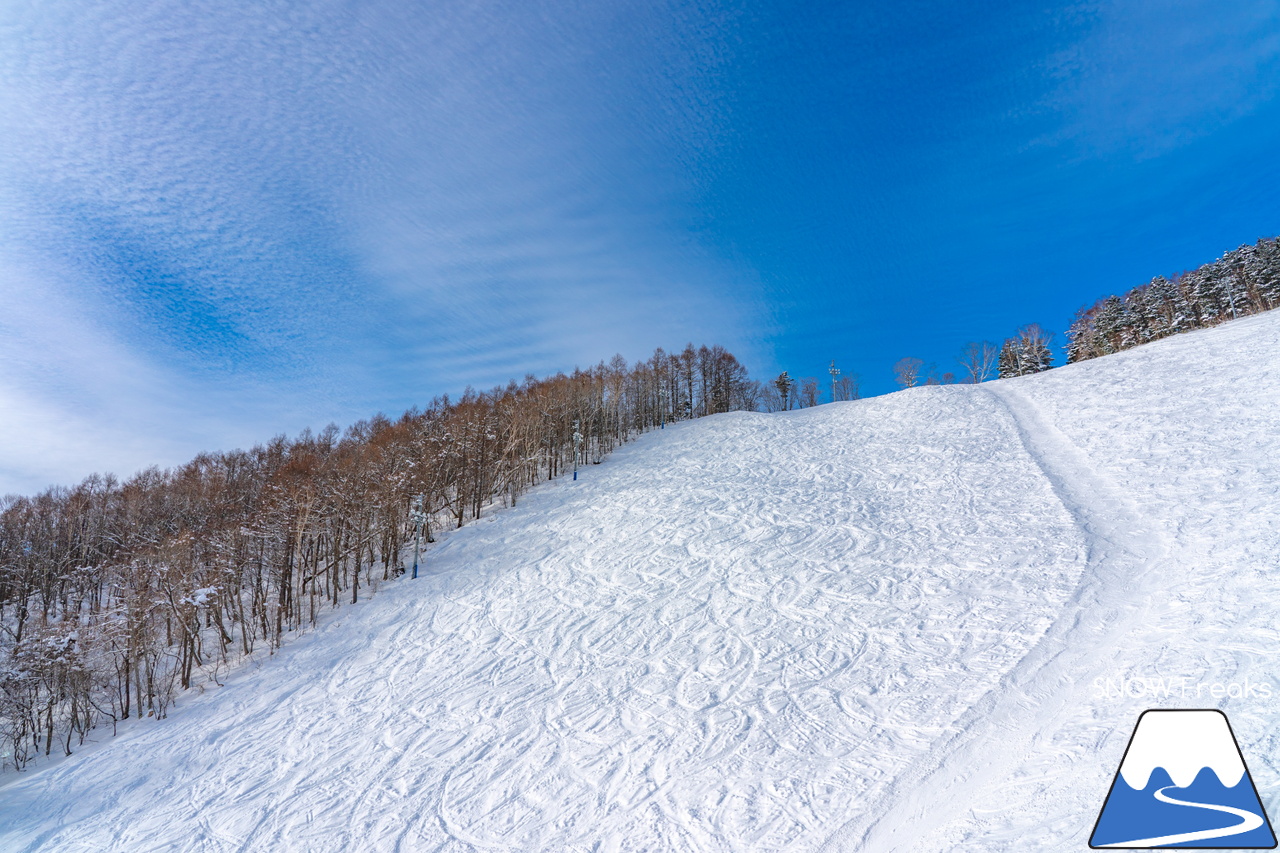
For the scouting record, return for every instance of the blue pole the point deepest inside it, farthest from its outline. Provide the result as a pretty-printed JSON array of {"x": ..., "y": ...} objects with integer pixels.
[{"x": 417, "y": 532}]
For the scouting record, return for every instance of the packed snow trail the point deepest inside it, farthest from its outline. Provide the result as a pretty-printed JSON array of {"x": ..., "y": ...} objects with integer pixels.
[
  {"x": 996, "y": 733},
  {"x": 1189, "y": 429},
  {"x": 872, "y": 625}
]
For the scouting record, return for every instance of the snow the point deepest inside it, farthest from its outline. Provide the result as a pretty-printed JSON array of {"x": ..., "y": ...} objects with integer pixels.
[
  {"x": 200, "y": 597},
  {"x": 882, "y": 625}
]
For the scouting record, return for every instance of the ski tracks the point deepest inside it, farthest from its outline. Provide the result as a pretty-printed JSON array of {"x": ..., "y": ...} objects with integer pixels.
[
  {"x": 1020, "y": 714},
  {"x": 688, "y": 649}
]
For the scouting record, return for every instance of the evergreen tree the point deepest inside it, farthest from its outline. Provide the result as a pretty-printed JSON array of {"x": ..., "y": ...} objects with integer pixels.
[
  {"x": 1266, "y": 272},
  {"x": 1027, "y": 352},
  {"x": 1009, "y": 364},
  {"x": 1036, "y": 356},
  {"x": 783, "y": 384},
  {"x": 1199, "y": 295},
  {"x": 1243, "y": 281},
  {"x": 1080, "y": 336},
  {"x": 1138, "y": 312},
  {"x": 1109, "y": 326},
  {"x": 1221, "y": 299}
]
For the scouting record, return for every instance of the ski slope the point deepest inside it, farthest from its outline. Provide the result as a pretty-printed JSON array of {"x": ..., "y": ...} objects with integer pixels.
[{"x": 878, "y": 625}]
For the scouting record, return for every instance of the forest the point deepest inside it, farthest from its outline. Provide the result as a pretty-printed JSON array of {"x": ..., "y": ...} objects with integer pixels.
[
  {"x": 1243, "y": 281},
  {"x": 115, "y": 596}
]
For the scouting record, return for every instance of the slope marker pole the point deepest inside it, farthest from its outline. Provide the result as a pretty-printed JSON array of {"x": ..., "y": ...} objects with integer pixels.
[
  {"x": 577, "y": 442},
  {"x": 417, "y": 516}
]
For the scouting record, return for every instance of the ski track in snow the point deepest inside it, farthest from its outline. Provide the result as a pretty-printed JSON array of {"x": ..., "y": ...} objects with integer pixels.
[
  {"x": 863, "y": 626},
  {"x": 996, "y": 733}
]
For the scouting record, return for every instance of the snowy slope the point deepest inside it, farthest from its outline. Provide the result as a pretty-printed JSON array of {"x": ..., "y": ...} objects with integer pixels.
[{"x": 878, "y": 625}]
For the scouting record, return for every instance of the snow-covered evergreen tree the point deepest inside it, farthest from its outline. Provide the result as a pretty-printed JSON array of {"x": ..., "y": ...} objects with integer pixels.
[
  {"x": 1027, "y": 352},
  {"x": 1258, "y": 266},
  {"x": 1009, "y": 365},
  {"x": 1243, "y": 281},
  {"x": 1080, "y": 336},
  {"x": 1109, "y": 325}
]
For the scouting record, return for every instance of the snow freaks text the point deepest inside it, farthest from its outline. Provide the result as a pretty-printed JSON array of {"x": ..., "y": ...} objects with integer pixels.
[{"x": 1163, "y": 687}]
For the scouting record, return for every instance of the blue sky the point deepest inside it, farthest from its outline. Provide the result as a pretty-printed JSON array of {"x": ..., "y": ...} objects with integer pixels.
[{"x": 221, "y": 223}]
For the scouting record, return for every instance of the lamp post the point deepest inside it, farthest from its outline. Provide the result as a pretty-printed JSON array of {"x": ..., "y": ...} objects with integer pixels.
[
  {"x": 662, "y": 408},
  {"x": 417, "y": 516},
  {"x": 834, "y": 371}
]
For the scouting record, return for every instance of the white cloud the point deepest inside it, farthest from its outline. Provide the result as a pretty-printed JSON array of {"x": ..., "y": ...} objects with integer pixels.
[{"x": 219, "y": 221}]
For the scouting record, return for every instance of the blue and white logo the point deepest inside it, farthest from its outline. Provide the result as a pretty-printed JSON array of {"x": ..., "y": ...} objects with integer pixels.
[{"x": 1183, "y": 784}]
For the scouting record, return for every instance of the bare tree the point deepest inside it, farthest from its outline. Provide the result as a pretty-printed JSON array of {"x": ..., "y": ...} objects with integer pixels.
[
  {"x": 907, "y": 371},
  {"x": 847, "y": 387},
  {"x": 808, "y": 395},
  {"x": 979, "y": 359},
  {"x": 115, "y": 596}
]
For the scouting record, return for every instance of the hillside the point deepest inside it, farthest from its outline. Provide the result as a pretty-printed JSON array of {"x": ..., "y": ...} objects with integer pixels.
[{"x": 880, "y": 625}]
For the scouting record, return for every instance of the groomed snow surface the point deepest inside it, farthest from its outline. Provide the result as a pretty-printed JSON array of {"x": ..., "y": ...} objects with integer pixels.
[{"x": 882, "y": 625}]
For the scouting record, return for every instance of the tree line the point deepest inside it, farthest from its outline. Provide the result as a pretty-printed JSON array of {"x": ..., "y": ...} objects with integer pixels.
[
  {"x": 1243, "y": 281},
  {"x": 117, "y": 595},
  {"x": 785, "y": 393}
]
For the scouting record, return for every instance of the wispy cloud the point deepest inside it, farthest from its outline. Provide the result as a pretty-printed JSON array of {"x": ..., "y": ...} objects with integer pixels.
[
  {"x": 223, "y": 221},
  {"x": 1146, "y": 78}
]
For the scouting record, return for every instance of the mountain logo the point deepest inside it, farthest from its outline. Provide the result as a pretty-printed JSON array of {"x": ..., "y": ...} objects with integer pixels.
[{"x": 1183, "y": 784}]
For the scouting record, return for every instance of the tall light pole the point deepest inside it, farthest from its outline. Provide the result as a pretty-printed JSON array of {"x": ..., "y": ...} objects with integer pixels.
[
  {"x": 577, "y": 442},
  {"x": 662, "y": 408},
  {"x": 417, "y": 516},
  {"x": 834, "y": 371}
]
